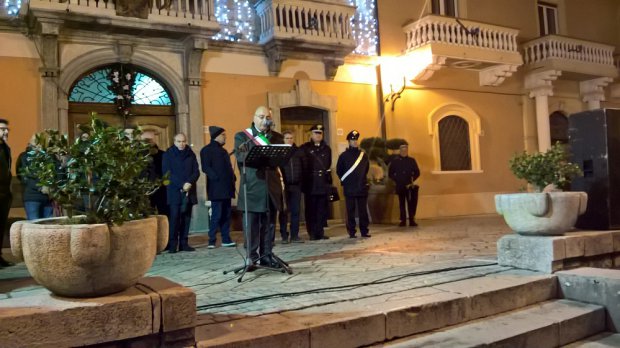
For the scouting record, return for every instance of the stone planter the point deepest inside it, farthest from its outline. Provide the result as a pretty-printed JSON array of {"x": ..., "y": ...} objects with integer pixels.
[
  {"x": 380, "y": 203},
  {"x": 88, "y": 260},
  {"x": 546, "y": 213}
]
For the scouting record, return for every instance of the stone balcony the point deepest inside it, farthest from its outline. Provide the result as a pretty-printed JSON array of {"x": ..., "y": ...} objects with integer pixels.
[
  {"x": 163, "y": 18},
  {"x": 576, "y": 59},
  {"x": 489, "y": 49},
  {"x": 306, "y": 29}
]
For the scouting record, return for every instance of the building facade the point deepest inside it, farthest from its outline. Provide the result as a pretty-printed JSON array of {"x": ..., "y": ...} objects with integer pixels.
[{"x": 466, "y": 82}]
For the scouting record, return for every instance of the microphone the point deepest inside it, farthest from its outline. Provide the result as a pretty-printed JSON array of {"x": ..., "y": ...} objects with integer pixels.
[{"x": 268, "y": 123}]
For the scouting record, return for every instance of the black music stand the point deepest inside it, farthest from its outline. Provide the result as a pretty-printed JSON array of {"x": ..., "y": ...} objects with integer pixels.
[{"x": 260, "y": 156}]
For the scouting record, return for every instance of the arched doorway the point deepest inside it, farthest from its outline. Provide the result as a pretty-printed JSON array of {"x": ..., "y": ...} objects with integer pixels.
[{"x": 151, "y": 108}]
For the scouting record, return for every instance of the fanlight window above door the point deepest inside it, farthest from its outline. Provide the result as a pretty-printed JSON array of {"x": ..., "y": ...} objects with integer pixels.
[{"x": 94, "y": 87}]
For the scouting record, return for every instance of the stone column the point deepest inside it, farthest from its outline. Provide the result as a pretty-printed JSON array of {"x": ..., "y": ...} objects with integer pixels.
[
  {"x": 540, "y": 87},
  {"x": 593, "y": 91},
  {"x": 50, "y": 69},
  {"x": 194, "y": 49}
]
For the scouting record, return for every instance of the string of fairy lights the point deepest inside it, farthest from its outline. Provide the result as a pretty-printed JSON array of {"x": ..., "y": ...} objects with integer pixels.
[
  {"x": 364, "y": 25},
  {"x": 236, "y": 18},
  {"x": 12, "y": 7}
]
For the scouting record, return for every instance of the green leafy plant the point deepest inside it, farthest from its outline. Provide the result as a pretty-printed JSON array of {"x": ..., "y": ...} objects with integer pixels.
[
  {"x": 104, "y": 172},
  {"x": 543, "y": 168},
  {"x": 377, "y": 150}
]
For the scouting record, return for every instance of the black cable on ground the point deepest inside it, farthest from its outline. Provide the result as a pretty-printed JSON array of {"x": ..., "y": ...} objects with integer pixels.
[{"x": 384, "y": 280}]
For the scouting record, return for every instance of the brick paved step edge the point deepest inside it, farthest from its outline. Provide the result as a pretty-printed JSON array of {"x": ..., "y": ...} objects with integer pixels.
[
  {"x": 601, "y": 340},
  {"x": 549, "y": 324},
  {"x": 377, "y": 319}
]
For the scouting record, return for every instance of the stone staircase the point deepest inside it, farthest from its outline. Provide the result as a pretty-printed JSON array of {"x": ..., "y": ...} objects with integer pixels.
[{"x": 514, "y": 308}]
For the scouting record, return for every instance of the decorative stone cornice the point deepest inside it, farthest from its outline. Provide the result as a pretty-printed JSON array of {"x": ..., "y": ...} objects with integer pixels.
[
  {"x": 495, "y": 75},
  {"x": 331, "y": 66},
  {"x": 594, "y": 90},
  {"x": 540, "y": 84}
]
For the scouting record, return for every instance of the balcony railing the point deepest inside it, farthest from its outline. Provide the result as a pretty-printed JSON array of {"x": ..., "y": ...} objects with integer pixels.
[
  {"x": 318, "y": 22},
  {"x": 553, "y": 46},
  {"x": 194, "y": 12},
  {"x": 460, "y": 32}
]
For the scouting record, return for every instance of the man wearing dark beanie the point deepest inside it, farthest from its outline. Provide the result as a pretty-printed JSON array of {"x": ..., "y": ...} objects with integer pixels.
[{"x": 220, "y": 185}]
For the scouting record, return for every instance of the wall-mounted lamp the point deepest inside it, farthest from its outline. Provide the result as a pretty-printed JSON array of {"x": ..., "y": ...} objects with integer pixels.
[{"x": 394, "y": 96}]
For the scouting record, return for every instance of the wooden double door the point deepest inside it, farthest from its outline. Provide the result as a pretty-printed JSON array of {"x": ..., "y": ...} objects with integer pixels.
[{"x": 159, "y": 121}]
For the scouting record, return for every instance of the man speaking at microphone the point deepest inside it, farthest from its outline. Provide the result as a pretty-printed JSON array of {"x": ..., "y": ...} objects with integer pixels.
[{"x": 264, "y": 187}]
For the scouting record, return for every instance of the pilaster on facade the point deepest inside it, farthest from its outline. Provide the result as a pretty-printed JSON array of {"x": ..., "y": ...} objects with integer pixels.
[
  {"x": 593, "y": 91},
  {"x": 495, "y": 75},
  {"x": 540, "y": 84}
]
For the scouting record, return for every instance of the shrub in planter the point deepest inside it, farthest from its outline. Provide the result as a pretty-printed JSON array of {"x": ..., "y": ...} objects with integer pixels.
[
  {"x": 549, "y": 212},
  {"x": 114, "y": 242}
]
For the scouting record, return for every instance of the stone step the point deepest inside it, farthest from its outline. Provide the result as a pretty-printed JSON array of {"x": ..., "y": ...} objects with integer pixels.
[
  {"x": 594, "y": 285},
  {"x": 549, "y": 324},
  {"x": 602, "y": 340},
  {"x": 361, "y": 322}
]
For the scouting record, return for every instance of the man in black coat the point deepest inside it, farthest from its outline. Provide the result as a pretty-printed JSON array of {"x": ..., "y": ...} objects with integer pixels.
[
  {"x": 181, "y": 165},
  {"x": 352, "y": 169},
  {"x": 154, "y": 172},
  {"x": 220, "y": 185},
  {"x": 5, "y": 183},
  {"x": 292, "y": 175},
  {"x": 404, "y": 171},
  {"x": 317, "y": 182}
]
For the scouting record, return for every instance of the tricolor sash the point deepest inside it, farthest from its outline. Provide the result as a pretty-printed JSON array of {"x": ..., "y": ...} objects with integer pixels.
[{"x": 259, "y": 139}]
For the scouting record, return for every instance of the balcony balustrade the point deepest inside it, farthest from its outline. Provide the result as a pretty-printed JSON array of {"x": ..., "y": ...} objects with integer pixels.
[
  {"x": 305, "y": 20},
  {"x": 576, "y": 59},
  {"x": 197, "y": 13},
  {"x": 490, "y": 49}
]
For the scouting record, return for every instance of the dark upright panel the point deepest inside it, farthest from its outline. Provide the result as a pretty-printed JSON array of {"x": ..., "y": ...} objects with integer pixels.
[{"x": 594, "y": 138}]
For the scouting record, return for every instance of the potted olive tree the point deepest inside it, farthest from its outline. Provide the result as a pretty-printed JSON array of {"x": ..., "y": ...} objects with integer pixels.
[
  {"x": 547, "y": 210},
  {"x": 381, "y": 190},
  {"x": 113, "y": 242}
]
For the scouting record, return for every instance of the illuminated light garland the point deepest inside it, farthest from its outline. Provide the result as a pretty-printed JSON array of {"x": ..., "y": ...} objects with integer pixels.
[
  {"x": 236, "y": 19},
  {"x": 364, "y": 27},
  {"x": 12, "y": 7}
]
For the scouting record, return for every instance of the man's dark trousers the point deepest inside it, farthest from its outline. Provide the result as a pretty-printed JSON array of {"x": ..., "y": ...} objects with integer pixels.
[
  {"x": 360, "y": 202},
  {"x": 409, "y": 198},
  {"x": 316, "y": 215},
  {"x": 260, "y": 236},
  {"x": 293, "y": 202},
  {"x": 5, "y": 206},
  {"x": 179, "y": 226},
  {"x": 220, "y": 218}
]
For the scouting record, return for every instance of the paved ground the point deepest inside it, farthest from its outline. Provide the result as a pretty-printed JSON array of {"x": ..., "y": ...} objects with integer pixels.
[{"x": 395, "y": 259}]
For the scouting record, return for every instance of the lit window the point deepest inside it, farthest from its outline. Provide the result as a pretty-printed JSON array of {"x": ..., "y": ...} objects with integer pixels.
[
  {"x": 94, "y": 87},
  {"x": 547, "y": 18},
  {"x": 445, "y": 7}
]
